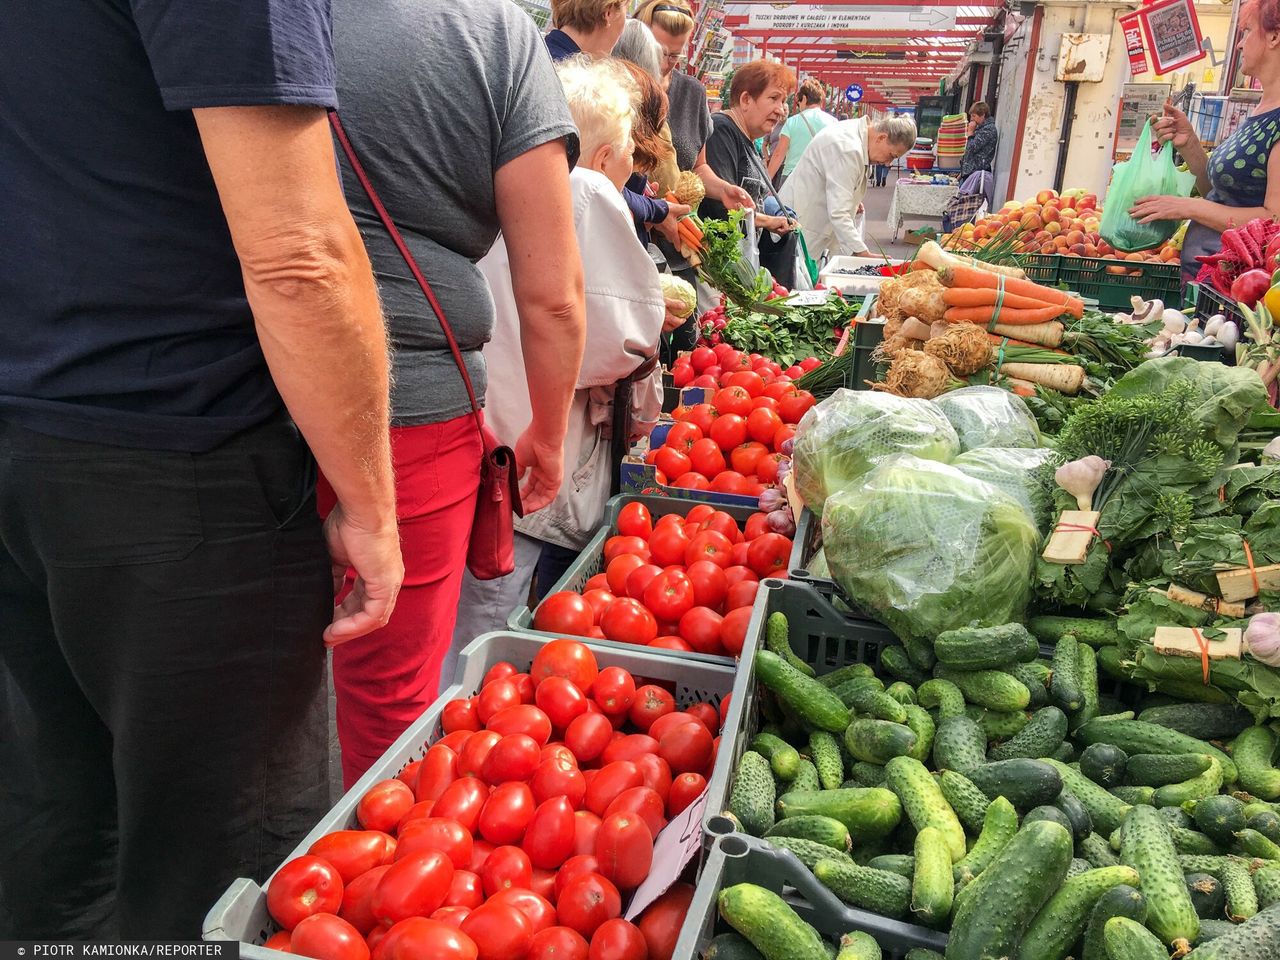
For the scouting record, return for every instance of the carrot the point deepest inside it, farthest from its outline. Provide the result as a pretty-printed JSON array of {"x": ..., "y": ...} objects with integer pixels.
[
  {"x": 1010, "y": 341},
  {"x": 968, "y": 297},
  {"x": 1007, "y": 317},
  {"x": 695, "y": 231},
  {"x": 1021, "y": 388},
  {"x": 1061, "y": 377},
  {"x": 1040, "y": 334},
  {"x": 687, "y": 237},
  {"x": 981, "y": 279}
]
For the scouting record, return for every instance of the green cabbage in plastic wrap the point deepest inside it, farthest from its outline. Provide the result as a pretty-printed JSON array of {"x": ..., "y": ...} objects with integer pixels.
[
  {"x": 1024, "y": 474},
  {"x": 846, "y": 435},
  {"x": 926, "y": 548},
  {"x": 989, "y": 417}
]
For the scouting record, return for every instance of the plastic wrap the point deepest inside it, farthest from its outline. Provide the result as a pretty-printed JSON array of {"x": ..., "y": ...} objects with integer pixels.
[
  {"x": 927, "y": 548},
  {"x": 989, "y": 417},
  {"x": 1024, "y": 474},
  {"x": 846, "y": 435}
]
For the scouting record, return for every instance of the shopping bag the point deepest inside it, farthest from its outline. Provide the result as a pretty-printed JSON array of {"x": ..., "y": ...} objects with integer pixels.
[{"x": 1144, "y": 174}]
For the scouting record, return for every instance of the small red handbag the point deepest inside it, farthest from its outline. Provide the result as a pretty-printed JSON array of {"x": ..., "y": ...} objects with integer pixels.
[{"x": 491, "y": 551}]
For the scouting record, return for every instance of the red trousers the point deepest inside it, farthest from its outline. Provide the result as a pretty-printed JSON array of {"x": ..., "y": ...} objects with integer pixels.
[{"x": 386, "y": 679}]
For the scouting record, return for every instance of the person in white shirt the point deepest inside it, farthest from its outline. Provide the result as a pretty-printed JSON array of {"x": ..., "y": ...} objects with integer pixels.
[
  {"x": 799, "y": 129},
  {"x": 827, "y": 186}
]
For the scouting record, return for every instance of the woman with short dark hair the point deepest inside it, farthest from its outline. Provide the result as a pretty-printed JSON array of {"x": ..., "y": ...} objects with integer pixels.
[{"x": 585, "y": 26}]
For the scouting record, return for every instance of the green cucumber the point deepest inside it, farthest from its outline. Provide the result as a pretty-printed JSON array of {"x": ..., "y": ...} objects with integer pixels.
[
  {"x": 1146, "y": 796},
  {"x": 1204, "y": 721},
  {"x": 1177, "y": 817},
  {"x": 1219, "y": 817},
  {"x": 863, "y": 774},
  {"x": 1107, "y": 811},
  {"x": 777, "y": 638},
  {"x": 923, "y": 727},
  {"x": 784, "y": 759},
  {"x": 1111, "y": 662},
  {"x": 959, "y": 743},
  {"x": 1266, "y": 823},
  {"x": 1029, "y": 677},
  {"x": 995, "y": 910},
  {"x": 1120, "y": 901},
  {"x": 1206, "y": 784},
  {"x": 1039, "y": 738},
  {"x": 1025, "y": 782},
  {"x": 731, "y": 946},
  {"x": 858, "y": 946},
  {"x": 992, "y": 689},
  {"x": 1213, "y": 929},
  {"x": 870, "y": 813},
  {"x": 1147, "y": 847},
  {"x": 1097, "y": 851},
  {"x": 806, "y": 777},
  {"x": 1254, "y": 844},
  {"x": 985, "y": 648},
  {"x": 1136, "y": 736},
  {"x": 752, "y": 797},
  {"x": 1206, "y": 894},
  {"x": 1266, "y": 884},
  {"x": 766, "y": 920},
  {"x": 1077, "y": 813},
  {"x": 879, "y": 891},
  {"x": 931, "y": 885},
  {"x": 969, "y": 803},
  {"x": 924, "y": 803},
  {"x": 943, "y": 696},
  {"x": 1128, "y": 940},
  {"x": 903, "y": 864},
  {"x": 903, "y": 692},
  {"x": 1256, "y": 939},
  {"x": 1237, "y": 884},
  {"x": 1088, "y": 686},
  {"x": 1104, "y": 764},
  {"x": 922, "y": 953},
  {"x": 998, "y": 828},
  {"x": 1096, "y": 633},
  {"x": 850, "y": 671},
  {"x": 897, "y": 663},
  {"x": 1062, "y": 920},
  {"x": 1047, "y": 813},
  {"x": 824, "y": 748},
  {"x": 1158, "y": 769},
  {"x": 879, "y": 741},
  {"x": 825, "y": 830},
  {"x": 1252, "y": 752},
  {"x": 1192, "y": 842},
  {"x": 859, "y": 696},
  {"x": 808, "y": 852},
  {"x": 1065, "y": 688},
  {"x": 998, "y": 724},
  {"x": 816, "y": 706}
]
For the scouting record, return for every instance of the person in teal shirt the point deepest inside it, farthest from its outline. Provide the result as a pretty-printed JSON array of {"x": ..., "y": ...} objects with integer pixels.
[{"x": 800, "y": 129}]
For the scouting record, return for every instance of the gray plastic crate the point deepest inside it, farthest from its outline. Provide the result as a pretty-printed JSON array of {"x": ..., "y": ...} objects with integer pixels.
[
  {"x": 591, "y": 561},
  {"x": 241, "y": 913},
  {"x": 736, "y": 858}
]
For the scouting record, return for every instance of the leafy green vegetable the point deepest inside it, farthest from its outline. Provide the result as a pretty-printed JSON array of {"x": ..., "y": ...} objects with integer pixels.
[
  {"x": 723, "y": 267},
  {"x": 989, "y": 417},
  {"x": 1024, "y": 474}
]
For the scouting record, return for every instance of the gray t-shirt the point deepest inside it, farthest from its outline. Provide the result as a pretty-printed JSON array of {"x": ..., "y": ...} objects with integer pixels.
[
  {"x": 436, "y": 95},
  {"x": 689, "y": 117}
]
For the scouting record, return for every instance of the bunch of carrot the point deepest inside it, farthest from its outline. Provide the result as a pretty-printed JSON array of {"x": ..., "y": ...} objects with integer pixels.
[
  {"x": 975, "y": 296},
  {"x": 689, "y": 228}
]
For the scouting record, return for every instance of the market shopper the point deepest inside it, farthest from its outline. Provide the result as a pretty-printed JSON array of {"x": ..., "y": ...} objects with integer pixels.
[
  {"x": 757, "y": 102},
  {"x": 625, "y": 317},
  {"x": 650, "y": 151},
  {"x": 1240, "y": 180},
  {"x": 980, "y": 149},
  {"x": 800, "y": 128},
  {"x": 828, "y": 185},
  {"x": 189, "y": 317},
  {"x": 451, "y": 177},
  {"x": 584, "y": 26}
]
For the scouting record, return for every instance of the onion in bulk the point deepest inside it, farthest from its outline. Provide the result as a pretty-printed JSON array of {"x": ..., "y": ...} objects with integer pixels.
[
  {"x": 780, "y": 522},
  {"x": 770, "y": 500}
]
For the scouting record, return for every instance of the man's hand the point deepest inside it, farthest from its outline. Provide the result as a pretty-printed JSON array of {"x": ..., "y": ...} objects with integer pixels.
[
  {"x": 375, "y": 557},
  {"x": 541, "y": 467},
  {"x": 671, "y": 321}
]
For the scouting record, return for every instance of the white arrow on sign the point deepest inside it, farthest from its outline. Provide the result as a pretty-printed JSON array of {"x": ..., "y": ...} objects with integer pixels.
[{"x": 811, "y": 18}]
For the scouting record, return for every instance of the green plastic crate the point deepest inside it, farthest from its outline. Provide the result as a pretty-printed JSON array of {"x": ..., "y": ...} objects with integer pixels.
[{"x": 1091, "y": 279}]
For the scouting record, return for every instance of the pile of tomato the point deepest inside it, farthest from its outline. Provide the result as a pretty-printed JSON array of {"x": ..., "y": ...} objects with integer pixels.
[
  {"x": 683, "y": 582},
  {"x": 520, "y": 832},
  {"x": 734, "y": 443},
  {"x": 711, "y": 366}
]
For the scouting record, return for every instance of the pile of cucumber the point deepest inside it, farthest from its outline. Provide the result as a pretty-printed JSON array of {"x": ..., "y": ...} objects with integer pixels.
[{"x": 999, "y": 797}]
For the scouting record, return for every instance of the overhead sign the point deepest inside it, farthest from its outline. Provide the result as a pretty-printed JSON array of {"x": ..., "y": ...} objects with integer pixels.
[
  {"x": 853, "y": 93},
  {"x": 1131, "y": 24},
  {"x": 806, "y": 18},
  {"x": 874, "y": 54}
]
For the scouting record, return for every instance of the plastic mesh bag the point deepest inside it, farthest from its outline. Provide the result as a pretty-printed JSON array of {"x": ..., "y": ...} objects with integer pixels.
[
  {"x": 989, "y": 417},
  {"x": 926, "y": 548},
  {"x": 1024, "y": 474},
  {"x": 1143, "y": 175},
  {"x": 851, "y": 431}
]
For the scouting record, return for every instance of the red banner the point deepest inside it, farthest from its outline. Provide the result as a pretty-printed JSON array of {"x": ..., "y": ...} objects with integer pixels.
[{"x": 1132, "y": 27}]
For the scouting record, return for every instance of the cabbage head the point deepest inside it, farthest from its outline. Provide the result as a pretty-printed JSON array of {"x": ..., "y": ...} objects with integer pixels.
[
  {"x": 925, "y": 548},
  {"x": 989, "y": 417},
  {"x": 680, "y": 290},
  {"x": 1024, "y": 474},
  {"x": 846, "y": 435}
]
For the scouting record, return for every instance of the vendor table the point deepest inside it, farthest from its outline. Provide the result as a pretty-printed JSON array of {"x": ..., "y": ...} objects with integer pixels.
[{"x": 918, "y": 201}]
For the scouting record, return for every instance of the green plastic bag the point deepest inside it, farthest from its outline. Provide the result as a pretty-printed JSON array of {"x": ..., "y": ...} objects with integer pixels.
[{"x": 1142, "y": 175}]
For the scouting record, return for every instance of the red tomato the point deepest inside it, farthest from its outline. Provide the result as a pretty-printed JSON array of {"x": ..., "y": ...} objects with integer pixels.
[
  {"x": 357, "y": 900},
  {"x": 588, "y": 901},
  {"x": 454, "y": 741},
  {"x": 514, "y": 757},
  {"x": 563, "y": 612},
  {"x": 549, "y": 838},
  {"x": 465, "y": 890},
  {"x": 656, "y": 774},
  {"x": 722, "y": 523},
  {"x": 668, "y": 544},
  {"x": 413, "y": 887},
  {"x": 702, "y": 416},
  {"x": 729, "y": 431},
  {"x": 671, "y": 461},
  {"x": 685, "y": 789},
  {"x": 700, "y": 628},
  {"x": 619, "y": 545},
  {"x": 767, "y": 467},
  {"x": 419, "y": 937},
  {"x": 618, "y": 939},
  {"x": 682, "y": 435},
  {"x": 471, "y": 757},
  {"x": 353, "y": 852},
  {"x": 585, "y": 827},
  {"x": 627, "y": 621},
  {"x": 639, "y": 579},
  {"x": 634, "y": 520},
  {"x": 706, "y": 714},
  {"x": 661, "y": 921},
  {"x": 463, "y": 800},
  {"x": 480, "y": 851},
  {"x": 409, "y": 775},
  {"x": 624, "y": 848},
  {"x": 686, "y": 748},
  {"x": 791, "y": 409},
  {"x": 507, "y": 813},
  {"x": 558, "y": 943},
  {"x": 732, "y": 400},
  {"x": 701, "y": 358},
  {"x": 588, "y": 735},
  {"x": 524, "y": 683},
  {"x": 499, "y": 671},
  {"x": 630, "y": 747},
  {"x": 453, "y": 916},
  {"x": 620, "y": 568},
  {"x": 739, "y": 573},
  {"x": 669, "y": 721},
  {"x": 544, "y": 884},
  {"x": 324, "y": 936},
  {"x": 614, "y": 690},
  {"x": 651, "y": 703},
  {"x": 599, "y": 601},
  {"x": 763, "y": 423},
  {"x": 505, "y": 868},
  {"x": 709, "y": 545},
  {"x": 709, "y": 583},
  {"x": 496, "y": 696},
  {"x": 280, "y": 941},
  {"x": 570, "y": 659},
  {"x": 707, "y": 458},
  {"x": 741, "y": 594},
  {"x": 724, "y": 709},
  {"x": 558, "y": 778},
  {"x": 523, "y": 718},
  {"x": 707, "y": 379},
  {"x": 612, "y": 779},
  {"x": 757, "y": 525},
  {"x": 699, "y": 512},
  {"x": 785, "y": 432},
  {"x": 743, "y": 458},
  {"x": 748, "y": 380},
  {"x": 691, "y": 481},
  {"x": 644, "y": 803},
  {"x": 561, "y": 700},
  {"x": 598, "y": 582},
  {"x": 781, "y": 390},
  {"x": 733, "y": 631},
  {"x": 764, "y": 403},
  {"x": 419, "y": 811},
  {"x": 670, "y": 595},
  {"x": 436, "y": 833},
  {"x": 681, "y": 375},
  {"x": 669, "y": 643},
  {"x": 731, "y": 481},
  {"x": 558, "y": 751},
  {"x": 535, "y": 907},
  {"x": 459, "y": 715},
  {"x": 769, "y": 554},
  {"x": 383, "y": 805},
  {"x": 303, "y": 886},
  {"x": 500, "y": 931}
]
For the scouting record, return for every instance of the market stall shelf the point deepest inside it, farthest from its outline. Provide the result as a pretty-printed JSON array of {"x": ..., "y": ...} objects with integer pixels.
[{"x": 918, "y": 201}]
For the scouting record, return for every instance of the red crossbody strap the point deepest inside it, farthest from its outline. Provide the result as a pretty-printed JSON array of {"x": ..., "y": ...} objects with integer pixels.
[{"x": 390, "y": 226}]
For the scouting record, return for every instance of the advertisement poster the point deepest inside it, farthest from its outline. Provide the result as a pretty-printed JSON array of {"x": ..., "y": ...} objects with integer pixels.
[
  {"x": 1173, "y": 34},
  {"x": 1132, "y": 27}
]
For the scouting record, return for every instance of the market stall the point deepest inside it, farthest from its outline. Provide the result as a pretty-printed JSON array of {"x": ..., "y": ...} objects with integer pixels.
[{"x": 919, "y": 200}]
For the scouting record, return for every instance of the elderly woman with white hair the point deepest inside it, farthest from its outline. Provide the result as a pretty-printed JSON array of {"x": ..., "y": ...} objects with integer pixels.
[{"x": 827, "y": 186}]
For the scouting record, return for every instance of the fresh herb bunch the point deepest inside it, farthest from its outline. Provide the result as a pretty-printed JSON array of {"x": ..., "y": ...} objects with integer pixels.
[
  {"x": 723, "y": 267},
  {"x": 1106, "y": 348}
]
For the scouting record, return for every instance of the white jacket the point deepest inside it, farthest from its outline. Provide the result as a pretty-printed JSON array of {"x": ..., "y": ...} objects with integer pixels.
[
  {"x": 625, "y": 311},
  {"x": 826, "y": 187}
]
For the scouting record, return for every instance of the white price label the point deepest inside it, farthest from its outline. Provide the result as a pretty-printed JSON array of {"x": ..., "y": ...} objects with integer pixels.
[
  {"x": 677, "y": 844},
  {"x": 809, "y": 298}
]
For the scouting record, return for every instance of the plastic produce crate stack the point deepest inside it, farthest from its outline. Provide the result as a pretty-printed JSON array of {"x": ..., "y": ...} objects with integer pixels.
[
  {"x": 591, "y": 561},
  {"x": 241, "y": 913},
  {"x": 1109, "y": 282}
]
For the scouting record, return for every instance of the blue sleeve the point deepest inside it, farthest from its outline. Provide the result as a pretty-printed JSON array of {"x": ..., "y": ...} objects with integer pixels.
[
  {"x": 645, "y": 209},
  {"x": 229, "y": 53}
]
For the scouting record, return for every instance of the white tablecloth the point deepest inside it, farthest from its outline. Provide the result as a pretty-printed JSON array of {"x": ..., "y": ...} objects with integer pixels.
[{"x": 918, "y": 201}]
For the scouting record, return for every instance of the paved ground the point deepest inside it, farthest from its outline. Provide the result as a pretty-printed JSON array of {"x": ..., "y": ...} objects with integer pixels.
[{"x": 877, "y": 229}]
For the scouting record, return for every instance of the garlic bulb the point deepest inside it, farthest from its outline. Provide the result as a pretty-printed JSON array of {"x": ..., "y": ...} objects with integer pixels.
[
  {"x": 1262, "y": 636},
  {"x": 1081, "y": 477},
  {"x": 1229, "y": 336}
]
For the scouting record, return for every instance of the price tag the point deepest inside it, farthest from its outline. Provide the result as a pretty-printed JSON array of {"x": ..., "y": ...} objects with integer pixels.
[
  {"x": 810, "y": 298},
  {"x": 677, "y": 844}
]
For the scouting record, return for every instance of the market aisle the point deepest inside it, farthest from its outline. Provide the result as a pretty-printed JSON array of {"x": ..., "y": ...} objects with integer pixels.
[{"x": 877, "y": 231}]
